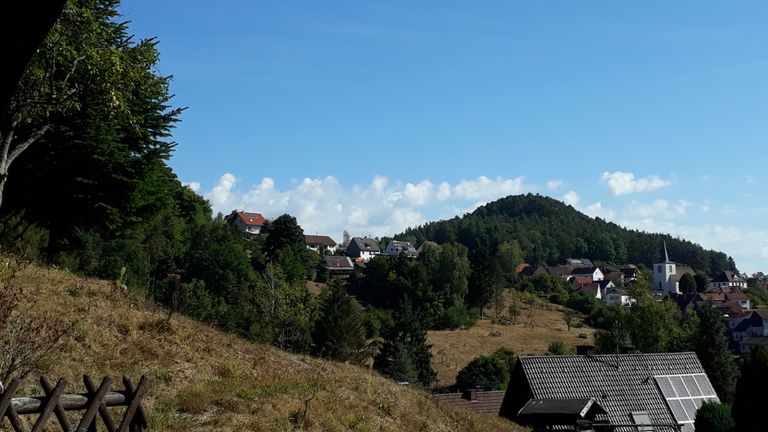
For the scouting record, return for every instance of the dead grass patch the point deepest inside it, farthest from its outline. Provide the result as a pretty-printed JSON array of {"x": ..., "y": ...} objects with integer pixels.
[{"x": 454, "y": 349}]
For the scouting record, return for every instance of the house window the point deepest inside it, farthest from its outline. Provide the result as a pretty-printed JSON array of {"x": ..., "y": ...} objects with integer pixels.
[
  {"x": 670, "y": 269},
  {"x": 658, "y": 269},
  {"x": 642, "y": 418}
]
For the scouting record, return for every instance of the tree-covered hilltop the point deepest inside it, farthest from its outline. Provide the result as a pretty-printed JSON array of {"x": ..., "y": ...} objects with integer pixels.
[{"x": 549, "y": 231}]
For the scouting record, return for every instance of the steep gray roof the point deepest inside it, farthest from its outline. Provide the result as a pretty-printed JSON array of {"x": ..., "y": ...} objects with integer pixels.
[
  {"x": 337, "y": 263},
  {"x": 366, "y": 244},
  {"x": 583, "y": 270},
  {"x": 621, "y": 384}
]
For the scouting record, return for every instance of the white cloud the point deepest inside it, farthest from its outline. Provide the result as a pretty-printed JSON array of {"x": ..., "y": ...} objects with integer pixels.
[
  {"x": 571, "y": 198},
  {"x": 221, "y": 194},
  {"x": 597, "y": 210},
  {"x": 484, "y": 188},
  {"x": 383, "y": 207},
  {"x": 658, "y": 208},
  {"x": 419, "y": 194},
  {"x": 622, "y": 183},
  {"x": 195, "y": 186},
  {"x": 554, "y": 184}
]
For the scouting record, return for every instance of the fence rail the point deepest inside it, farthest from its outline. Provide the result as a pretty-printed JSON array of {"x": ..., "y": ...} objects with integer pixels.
[{"x": 96, "y": 402}]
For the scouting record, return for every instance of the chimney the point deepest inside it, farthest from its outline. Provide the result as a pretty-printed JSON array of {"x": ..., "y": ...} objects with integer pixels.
[
  {"x": 470, "y": 395},
  {"x": 627, "y": 349},
  {"x": 585, "y": 349}
]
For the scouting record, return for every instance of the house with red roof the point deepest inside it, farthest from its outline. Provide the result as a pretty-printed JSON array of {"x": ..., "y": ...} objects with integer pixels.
[{"x": 246, "y": 222}]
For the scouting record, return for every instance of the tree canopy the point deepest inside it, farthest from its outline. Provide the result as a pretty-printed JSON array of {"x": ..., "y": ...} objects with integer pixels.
[{"x": 549, "y": 231}]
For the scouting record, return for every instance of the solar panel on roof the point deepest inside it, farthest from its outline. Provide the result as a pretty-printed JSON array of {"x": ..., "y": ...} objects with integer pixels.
[
  {"x": 685, "y": 394},
  {"x": 704, "y": 385},
  {"x": 690, "y": 384}
]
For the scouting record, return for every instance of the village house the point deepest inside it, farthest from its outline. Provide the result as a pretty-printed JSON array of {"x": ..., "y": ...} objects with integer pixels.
[
  {"x": 727, "y": 279},
  {"x": 617, "y": 296},
  {"x": 396, "y": 247},
  {"x": 746, "y": 346},
  {"x": 590, "y": 290},
  {"x": 630, "y": 273},
  {"x": 620, "y": 392},
  {"x": 246, "y": 222},
  {"x": 362, "y": 249},
  {"x": 337, "y": 265},
  {"x": 592, "y": 272},
  {"x": 321, "y": 244},
  {"x": 751, "y": 331}
]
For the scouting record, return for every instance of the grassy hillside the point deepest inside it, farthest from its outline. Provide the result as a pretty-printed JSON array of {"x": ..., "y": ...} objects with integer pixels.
[
  {"x": 530, "y": 334},
  {"x": 202, "y": 379}
]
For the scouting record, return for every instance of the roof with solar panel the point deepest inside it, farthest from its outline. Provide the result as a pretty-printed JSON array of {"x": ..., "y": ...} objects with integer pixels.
[{"x": 662, "y": 389}]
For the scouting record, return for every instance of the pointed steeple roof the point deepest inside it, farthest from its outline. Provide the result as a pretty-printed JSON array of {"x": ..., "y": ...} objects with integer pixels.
[{"x": 666, "y": 255}]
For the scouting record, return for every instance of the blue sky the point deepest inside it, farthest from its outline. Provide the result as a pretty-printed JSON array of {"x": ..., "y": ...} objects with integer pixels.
[{"x": 373, "y": 116}]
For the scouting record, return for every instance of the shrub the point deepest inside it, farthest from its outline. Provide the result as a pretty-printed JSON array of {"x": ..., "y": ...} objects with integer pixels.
[
  {"x": 485, "y": 373},
  {"x": 557, "y": 348},
  {"x": 714, "y": 417}
]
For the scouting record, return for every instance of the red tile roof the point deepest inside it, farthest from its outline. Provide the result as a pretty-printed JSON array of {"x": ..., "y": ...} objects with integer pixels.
[
  {"x": 487, "y": 402},
  {"x": 251, "y": 219}
]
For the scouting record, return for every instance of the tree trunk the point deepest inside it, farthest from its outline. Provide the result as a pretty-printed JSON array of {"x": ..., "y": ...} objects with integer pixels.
[{"x": 3, "y": 179}]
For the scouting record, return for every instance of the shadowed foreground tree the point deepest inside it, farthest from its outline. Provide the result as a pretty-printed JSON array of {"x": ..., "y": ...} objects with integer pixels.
[
  {"x": 749, "y": 401},
  {"x": 688, "y": 284},
  {"x": 710, "y": 344},
  {"x": 405, "y": 355},
  {"x": 714, "y": 417},
  {"x": 339, "y": 333}
]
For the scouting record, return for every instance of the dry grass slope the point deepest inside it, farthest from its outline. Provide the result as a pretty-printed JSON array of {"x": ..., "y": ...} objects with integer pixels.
[
  {"x": 534, "y": 330},
  {"x": 203, "y": 379}
]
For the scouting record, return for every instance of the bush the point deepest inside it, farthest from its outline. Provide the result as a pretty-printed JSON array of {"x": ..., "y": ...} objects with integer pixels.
[
  {"x": 377, "y": 322},
  {"x": 581, "y": 303},
  {"x": 560, "y": 296},
  {"x": 714, "y": 417},
  {"x": 455, "y": 317},
  {"x": 558, "y": 348},
  {"x": 487, "y": 373}
]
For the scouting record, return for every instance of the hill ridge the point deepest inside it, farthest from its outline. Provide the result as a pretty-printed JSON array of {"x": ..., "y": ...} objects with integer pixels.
[{"x": 549, "y": 231}]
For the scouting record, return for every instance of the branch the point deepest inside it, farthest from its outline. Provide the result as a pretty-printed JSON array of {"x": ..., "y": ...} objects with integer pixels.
[
  {"x": 71, "y": 71},
  {"x": 19, "y": 149}
]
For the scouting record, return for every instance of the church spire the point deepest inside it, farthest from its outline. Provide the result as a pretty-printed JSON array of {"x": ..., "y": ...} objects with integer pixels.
[{"x": 666, "y": 255}]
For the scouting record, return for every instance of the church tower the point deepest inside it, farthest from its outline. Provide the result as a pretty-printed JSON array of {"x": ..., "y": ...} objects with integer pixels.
[{"x": 665, "y": 275}]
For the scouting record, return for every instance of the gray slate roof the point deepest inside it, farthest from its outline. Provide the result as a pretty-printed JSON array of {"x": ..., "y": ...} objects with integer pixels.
[
  {"x": 365, "y": 244},
  {"x": 620, "y": 384}
]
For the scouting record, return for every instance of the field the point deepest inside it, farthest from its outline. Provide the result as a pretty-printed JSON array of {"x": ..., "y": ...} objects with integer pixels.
[
  {"x": 203, "y": 379},
  {"x": 531, "y": 333}
]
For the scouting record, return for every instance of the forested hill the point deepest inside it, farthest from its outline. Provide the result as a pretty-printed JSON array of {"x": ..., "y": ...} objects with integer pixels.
[{"x": 549, "y": 231}]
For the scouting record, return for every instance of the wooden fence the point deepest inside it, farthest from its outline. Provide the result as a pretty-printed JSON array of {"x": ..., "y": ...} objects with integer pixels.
[{"x": 95, "y": 402}]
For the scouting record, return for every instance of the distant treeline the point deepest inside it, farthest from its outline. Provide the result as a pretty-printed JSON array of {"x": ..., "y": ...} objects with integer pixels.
[{"x": 549, "y": 231}]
